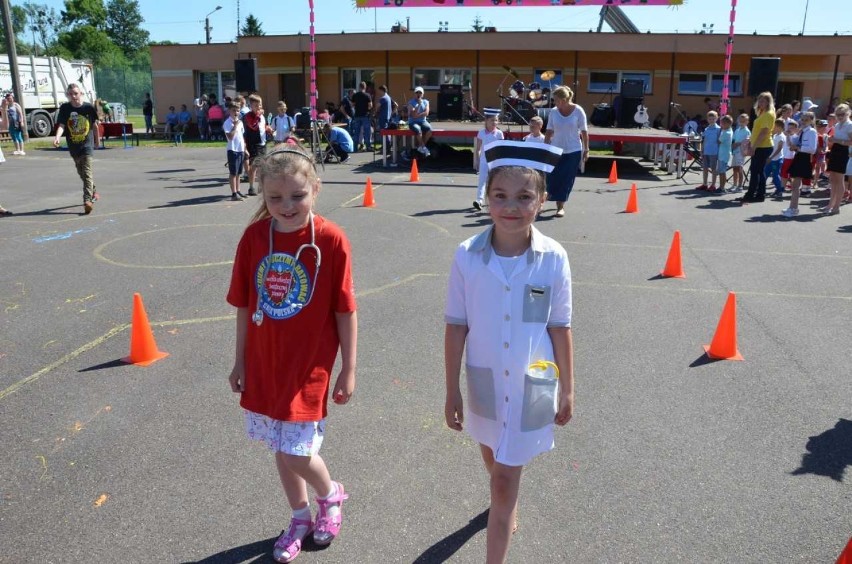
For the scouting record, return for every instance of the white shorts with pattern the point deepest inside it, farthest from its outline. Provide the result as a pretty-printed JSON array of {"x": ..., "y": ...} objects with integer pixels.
[{"x": 299, "y": 438}]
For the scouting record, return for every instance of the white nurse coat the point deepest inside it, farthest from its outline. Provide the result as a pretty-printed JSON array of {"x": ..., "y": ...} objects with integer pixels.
[{"x": 507, "y": 319}]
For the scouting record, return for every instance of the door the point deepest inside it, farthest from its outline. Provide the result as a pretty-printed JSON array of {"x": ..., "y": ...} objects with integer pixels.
[
  {"x": 847, "y": 88},
  {"x": 789, "y": 91},
  {"x": 293, "y": 92}
]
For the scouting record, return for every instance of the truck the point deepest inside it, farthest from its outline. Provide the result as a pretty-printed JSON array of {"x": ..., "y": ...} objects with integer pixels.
[{"x": 43, "y": 83}]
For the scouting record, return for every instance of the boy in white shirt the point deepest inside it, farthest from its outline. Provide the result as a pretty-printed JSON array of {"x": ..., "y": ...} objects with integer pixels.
[
  {"x": 535, "y": 135},
  {"x": 237, "y": 152},
  {"x": 282, "y": 124}
]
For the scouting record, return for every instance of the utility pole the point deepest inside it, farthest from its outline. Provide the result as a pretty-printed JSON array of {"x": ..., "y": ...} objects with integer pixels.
[{"x": 13, "y": 61}]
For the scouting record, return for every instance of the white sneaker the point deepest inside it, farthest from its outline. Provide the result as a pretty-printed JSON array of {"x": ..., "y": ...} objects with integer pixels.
[
  {"x": 790, "y": 212},
  {"x": 22, "y": 153},
  {"x": 16, "y": 152}
]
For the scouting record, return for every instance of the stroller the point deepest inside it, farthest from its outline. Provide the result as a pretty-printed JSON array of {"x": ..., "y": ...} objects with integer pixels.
[{"x": 215, "y": 119}]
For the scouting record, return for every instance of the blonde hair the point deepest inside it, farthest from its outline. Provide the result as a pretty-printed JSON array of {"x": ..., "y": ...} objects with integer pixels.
[
  {"x": 536, "y": 119},
  {"x": 288, "y": 160},
  {"x": 770, "y": 102},
  {"x": 563, "y": 93},
  {"x": 842, "y": 109},
  {"x": 712, "y": 113},
  {"x": 727, "y": 119}
]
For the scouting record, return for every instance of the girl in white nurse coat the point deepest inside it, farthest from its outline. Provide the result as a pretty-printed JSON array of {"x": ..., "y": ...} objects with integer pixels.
[{"x": 509, "y": 307}]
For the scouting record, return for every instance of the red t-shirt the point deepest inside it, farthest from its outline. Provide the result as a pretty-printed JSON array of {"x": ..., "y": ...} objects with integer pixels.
[{"x": 289, "y": 358}]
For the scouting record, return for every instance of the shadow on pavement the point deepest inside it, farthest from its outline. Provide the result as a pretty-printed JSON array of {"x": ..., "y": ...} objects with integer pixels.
[
  {"x": 110, "y": 364},
  {"x": 442, "y": 550},
  {"x": 772, "y": 218},
  {"x": 171, "y": 170},
  {"x": 829, "y": 453},
  {"x": 261, "y": 551},
  {"x": 845, "y": 229},
  {"x": 194, "y": 201},
  {"x": 53, "y": 211},
  {"x": 720, "y": 205}
]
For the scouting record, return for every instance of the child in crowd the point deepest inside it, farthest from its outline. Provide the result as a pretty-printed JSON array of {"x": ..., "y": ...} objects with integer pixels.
[
  {"x": 486, "y": 135},
  {"x": 773, "y": 163},
  {"x": 710, "y": 152},
  {"x": 237, "y": 153},
  {"x": 282, "y": 124},
  {"x": 726, "y": 138},
  {"x": 787, "y": 153},
  {"x": 509, "y": 312},
  {"x": 290, "y": 324},
  {"x": 822, "y": 150},
  {"x": 244, "y": 108},
  {"x": 804, "y": 145},
  {"x": 254, "y": 129},
  {"x": 535, "y": 135},
  {"x": 838, "y": 158},
  {"x": 739, "y": 150}
]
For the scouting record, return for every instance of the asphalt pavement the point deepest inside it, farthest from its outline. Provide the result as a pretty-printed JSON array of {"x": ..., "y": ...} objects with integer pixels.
[{"x": 670, "y": 457}]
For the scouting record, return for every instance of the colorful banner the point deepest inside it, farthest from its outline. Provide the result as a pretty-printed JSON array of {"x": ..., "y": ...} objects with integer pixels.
[{"x": 518, "y": 3}]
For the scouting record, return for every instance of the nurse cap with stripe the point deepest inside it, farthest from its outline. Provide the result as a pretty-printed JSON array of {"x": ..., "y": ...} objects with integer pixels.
[
  {"x": 491, "y": 112},
  {"x": 538, "y": 156}
]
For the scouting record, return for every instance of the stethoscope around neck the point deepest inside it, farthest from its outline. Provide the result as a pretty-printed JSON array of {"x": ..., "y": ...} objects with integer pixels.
[{"x": 257, "y": 316}]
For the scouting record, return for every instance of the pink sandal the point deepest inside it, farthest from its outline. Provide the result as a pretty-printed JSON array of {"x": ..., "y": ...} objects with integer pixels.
[
  {"x": 329, "y": 527},
  {"x": 288, "y": 543}
]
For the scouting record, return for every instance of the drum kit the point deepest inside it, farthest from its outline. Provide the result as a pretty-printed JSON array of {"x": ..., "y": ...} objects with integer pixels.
[{"x": 527, "y": 101}]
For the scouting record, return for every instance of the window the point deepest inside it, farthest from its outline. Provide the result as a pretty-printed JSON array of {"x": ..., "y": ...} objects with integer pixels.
[
  {"x": 610, "y": 81},
  {"x": 351, "y": 78},
  {"x": 219, "y": 83},
  {"x": 432, "y": 79},
  {"x": 708, "y": 83}
]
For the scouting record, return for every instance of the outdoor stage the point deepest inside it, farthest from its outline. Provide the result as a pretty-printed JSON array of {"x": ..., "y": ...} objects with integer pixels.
[{"x": 664, "y": 146}]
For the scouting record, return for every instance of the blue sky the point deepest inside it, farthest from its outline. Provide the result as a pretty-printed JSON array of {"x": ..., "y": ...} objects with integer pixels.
[{"x": 184, "y": 22}]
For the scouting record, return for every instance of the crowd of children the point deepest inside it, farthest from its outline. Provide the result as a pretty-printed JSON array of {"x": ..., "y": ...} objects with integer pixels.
[{"x": 804, "y": 151}]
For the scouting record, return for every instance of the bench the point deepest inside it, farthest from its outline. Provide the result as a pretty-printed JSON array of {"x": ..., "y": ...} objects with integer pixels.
[{"x": 123, "y": 131}]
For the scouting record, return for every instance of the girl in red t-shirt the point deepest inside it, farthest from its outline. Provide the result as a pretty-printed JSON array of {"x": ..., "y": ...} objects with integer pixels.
[{"x": 290, "y": 323}]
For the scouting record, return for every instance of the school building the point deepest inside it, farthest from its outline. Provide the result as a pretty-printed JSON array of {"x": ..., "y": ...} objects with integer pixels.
[{"x": 678, "y": 70}]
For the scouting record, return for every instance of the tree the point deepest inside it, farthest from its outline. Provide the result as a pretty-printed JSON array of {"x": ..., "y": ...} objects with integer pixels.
[
  {"x": 78, "y": 12},
  {"x": 252, "y": 27},
  {"x": 19, "y": 24},
  {"x": 123, "y": 24},
  {"x": 87, "y": 42},
  {"x": 44, "y": 22}
]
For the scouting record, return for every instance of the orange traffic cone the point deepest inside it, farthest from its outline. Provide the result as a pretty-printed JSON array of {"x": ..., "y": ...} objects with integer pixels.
[
  {"x": 846, "y": 556},
  {"x": 613, "y": 174},
  {"x": 143, "y": 348},
  {"x": 415, "y": 174},
  {"x": 369, "y": 202},
  {"x": 632, "y": 200},
  {"x": 674, "y": 264},
  {"x": 724, "y": 345}
]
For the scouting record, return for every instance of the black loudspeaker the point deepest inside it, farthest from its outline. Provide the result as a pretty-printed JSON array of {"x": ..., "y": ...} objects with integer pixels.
[
  {"x": 763, "y": 75},
  {"x": 602, "y": 116},
  {"x": 627, "y": 114},
  {"x": 450, "y": 106},
  {"x": 245, "y": 71},
  {"x": 632, "y": 88},
  {"x": 303, "y": 118},
  {"x": 451, "y": 89}
]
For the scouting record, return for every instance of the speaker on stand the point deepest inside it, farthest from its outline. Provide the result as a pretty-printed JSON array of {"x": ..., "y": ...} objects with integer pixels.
[
  {"x": 627, "y": 112},
  {"x": 763, "y": 75},
  {"x": 450, "y": 102},
  {"x": 245, "y": 73}
]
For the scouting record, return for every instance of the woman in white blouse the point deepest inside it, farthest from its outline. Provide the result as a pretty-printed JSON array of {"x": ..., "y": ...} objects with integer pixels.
[
  {"x": 567, "y": 129},
  {"x": 838, "y": 157}
]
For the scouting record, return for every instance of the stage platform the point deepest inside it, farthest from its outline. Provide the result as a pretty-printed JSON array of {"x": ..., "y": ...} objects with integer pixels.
[{"x": 665, "y": 147}]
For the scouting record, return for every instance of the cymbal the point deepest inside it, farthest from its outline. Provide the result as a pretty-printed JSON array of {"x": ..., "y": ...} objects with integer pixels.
[{"x": 548, "y": 75}]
